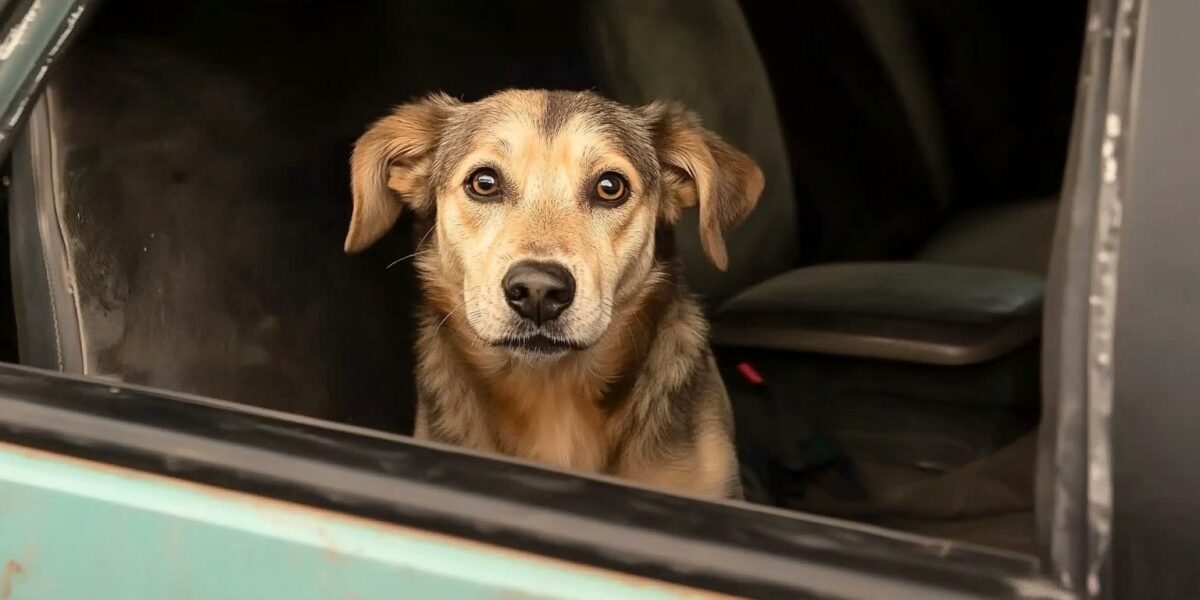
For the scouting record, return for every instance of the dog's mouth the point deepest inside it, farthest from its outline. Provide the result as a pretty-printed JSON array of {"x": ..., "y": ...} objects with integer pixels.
[{"x": 539, "y": 344}]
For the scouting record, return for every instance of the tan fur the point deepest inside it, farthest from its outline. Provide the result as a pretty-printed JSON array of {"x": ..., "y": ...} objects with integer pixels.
[{"x": 639, "y": 396}]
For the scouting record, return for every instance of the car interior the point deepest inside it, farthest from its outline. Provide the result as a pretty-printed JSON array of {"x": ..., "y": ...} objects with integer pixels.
[{"x": 178, "y": 200}]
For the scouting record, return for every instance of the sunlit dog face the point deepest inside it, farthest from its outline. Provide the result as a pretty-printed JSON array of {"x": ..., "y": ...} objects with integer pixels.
[{"x": 546, "y": 203}]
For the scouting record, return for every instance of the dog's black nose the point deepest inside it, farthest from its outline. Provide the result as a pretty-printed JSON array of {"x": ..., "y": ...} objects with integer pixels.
[{"x": 538, "y": 291}]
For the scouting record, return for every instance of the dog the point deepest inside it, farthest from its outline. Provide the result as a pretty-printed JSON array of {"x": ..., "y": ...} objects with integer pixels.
[{"x": 556, "y": 326}]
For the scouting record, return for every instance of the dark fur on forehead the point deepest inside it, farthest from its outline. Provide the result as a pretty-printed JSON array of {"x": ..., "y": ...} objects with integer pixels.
[
  {"x": 627, "y": 129},
  {"x": 459, "y": 136}
]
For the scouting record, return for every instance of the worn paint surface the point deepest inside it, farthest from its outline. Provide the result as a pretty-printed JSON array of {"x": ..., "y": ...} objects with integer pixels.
[
  {"x": 29, "y": 44},
  {"x": 75, "y": 529}
]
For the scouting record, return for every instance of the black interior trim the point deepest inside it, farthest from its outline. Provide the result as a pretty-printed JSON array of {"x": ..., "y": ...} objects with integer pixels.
[{"x": 719, "y": 546}]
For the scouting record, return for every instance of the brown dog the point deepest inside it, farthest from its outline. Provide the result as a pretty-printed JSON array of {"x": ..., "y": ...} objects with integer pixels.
[{"x": 556, "y": 326}]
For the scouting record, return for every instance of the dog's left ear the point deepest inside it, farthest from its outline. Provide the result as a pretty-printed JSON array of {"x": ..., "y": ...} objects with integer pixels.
[
  {"x": 390, "y": 168},
  {"x": 698, "y": 167}
]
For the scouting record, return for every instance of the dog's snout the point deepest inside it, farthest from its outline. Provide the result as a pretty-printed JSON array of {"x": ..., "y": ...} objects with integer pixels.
[{"x": 539, "y": 291}]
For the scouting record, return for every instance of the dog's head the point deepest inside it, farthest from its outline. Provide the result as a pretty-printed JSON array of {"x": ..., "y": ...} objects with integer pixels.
[{"x": 546, "y": 203}]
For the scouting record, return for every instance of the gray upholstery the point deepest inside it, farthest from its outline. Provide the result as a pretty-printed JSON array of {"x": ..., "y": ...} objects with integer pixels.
[
  {"x": 173, "y": 264},
  {"x": 915, "y": 312},
  {"x": 889, "y": 28},
  {"x": 1013, "y": 236}
]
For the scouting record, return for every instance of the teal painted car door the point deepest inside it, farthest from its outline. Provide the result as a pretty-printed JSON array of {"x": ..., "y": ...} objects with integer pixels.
[{"x": 77, "y": 529}]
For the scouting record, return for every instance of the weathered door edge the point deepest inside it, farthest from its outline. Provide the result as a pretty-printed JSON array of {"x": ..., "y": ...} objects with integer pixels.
[{"x": 1074, "y": 464}]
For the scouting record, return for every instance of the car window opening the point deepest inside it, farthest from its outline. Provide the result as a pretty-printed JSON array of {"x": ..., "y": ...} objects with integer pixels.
[{"x": 877, "y": 328}]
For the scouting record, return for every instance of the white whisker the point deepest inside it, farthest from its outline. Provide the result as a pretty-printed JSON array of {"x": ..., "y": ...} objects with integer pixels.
[
  {"x": 477, "y": 340},
  {"x": 404, "y": 258},
  {"x": 425, "y": 237},
  {"x": 448, "y": 315}
]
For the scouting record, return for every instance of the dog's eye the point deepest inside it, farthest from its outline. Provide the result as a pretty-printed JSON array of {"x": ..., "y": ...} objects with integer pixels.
[
  {"x": 611, "y": 188},
  {"x": 483, "y": 183}
]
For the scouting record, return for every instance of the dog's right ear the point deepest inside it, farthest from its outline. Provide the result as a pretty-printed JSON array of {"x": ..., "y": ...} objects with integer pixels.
[
  {"x": 699, "y": 168},
  {"x": 390, "y": 168}
]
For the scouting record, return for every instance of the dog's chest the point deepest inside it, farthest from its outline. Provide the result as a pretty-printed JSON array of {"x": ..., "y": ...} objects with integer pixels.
[{"x": 557, "y": 421}]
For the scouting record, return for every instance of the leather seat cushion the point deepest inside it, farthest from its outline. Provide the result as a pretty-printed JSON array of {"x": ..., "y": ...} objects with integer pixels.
[{"x": 909, "y": 311}]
